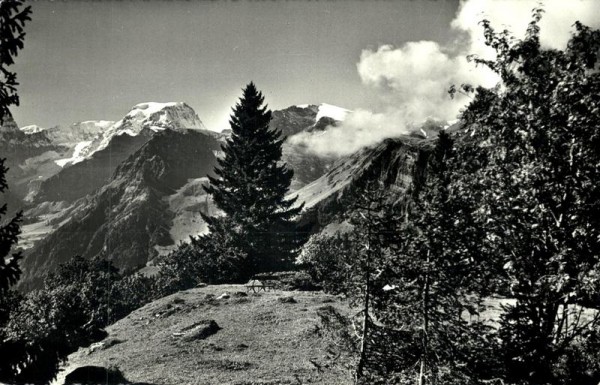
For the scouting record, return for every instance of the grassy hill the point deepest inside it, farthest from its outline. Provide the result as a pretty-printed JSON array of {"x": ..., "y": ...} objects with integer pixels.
[{"x": 262, "y": 338}]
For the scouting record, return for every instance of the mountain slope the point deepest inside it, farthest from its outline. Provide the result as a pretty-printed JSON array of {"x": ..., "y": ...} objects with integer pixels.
[
  {"x": 29, "y": 159},
  {"x": 392, "y": 164},
  {"x": 293, "y": 120},
  {"x": 129, "y": 216},
  {"x": 82, "y": 178},
  {"x": 142, "y": 194}
]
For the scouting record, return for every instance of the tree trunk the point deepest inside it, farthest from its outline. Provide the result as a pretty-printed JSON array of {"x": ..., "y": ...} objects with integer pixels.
[
  {"x": 424, "y": 336},
  {"x": 365, "y": 331}
]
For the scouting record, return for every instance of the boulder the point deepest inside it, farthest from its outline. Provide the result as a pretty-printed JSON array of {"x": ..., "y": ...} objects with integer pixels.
[
  {"x": 287, "y": 300},
  {"x": 201, "y": 330},
  {"x": 95, "y": 375}
]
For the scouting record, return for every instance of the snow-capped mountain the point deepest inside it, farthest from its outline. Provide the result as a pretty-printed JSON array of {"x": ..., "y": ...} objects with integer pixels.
[
  {"x": 32, "y": 129},
  {"x": 330, "y": 111},
  {"x": 307, "y": 117},
  {"x": 153, "y": 116},
  {"x": 300, "y": 119},
  {"x": 102, "y": 145}
]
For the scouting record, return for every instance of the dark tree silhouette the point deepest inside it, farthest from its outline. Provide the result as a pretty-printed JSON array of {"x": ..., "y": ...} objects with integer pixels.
[
  {"x": 250, "y": 188},
  {"x": 12, "y": 21}
]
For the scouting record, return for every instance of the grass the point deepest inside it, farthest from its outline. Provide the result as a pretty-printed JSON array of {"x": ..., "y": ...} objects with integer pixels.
[{"x": 263, "y": 340}]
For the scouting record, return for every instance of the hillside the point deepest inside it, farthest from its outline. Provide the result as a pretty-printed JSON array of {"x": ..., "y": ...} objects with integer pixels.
[{"x": 261, "y": 340}]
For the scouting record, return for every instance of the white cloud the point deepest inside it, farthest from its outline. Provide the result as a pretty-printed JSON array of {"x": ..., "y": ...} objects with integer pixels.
[
  {"x": 514, "y": 15},
  {"x": 412, "y": 80}
]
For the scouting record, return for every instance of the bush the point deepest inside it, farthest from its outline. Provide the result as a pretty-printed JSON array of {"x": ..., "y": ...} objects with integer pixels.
[
  {"x": 77, "y": 302},
  {"x": 205, "y": 259},
  {"x": 328, "y": 261}
]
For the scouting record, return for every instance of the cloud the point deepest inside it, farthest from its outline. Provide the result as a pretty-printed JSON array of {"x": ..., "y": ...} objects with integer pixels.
[
  {"x": 360, "y": 128},
  {"x": 412, "y": 80},
  {"x": 514, "y": 15}
]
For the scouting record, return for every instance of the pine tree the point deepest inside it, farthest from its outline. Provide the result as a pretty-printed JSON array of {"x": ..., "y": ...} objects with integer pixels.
[
  {"x": 12, "y": 22},
  {"x": 250, "y": 188}
]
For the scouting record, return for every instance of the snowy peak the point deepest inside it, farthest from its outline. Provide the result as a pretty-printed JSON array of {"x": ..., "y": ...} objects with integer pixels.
[
  {"x": 330, "y": 111},
  {"x": 158, "y": 116},
  {"x": 153, "y": 116},
  {"x": 325, "y": 110},
  {"x": 32, "y": 129}
]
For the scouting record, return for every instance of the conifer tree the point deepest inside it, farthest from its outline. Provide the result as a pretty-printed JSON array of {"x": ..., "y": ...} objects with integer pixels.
[{"x": 250, "y": 188}]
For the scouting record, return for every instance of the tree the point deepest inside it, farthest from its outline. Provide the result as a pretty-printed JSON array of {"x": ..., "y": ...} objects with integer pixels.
[
  {"x": 78, "y": 301},
  {"x": 350, "y": 263},
  {"x": 12, "y": 22},
  {"x": 9, "y": 269},
  {"x": 531, "y": 152},
  {"x": 431, "y": 279},
  {"x": 250, "y": 188}
]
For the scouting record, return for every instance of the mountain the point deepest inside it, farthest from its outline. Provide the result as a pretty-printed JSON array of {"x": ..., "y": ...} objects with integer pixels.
[
  {"x": 140, "y": 194},
  {"x": 392, "y": 163},
  {"x": 153, "y": 116},
  {"x": 95, "y": 157},
  {"x": 129, "y": 215},
  {"x": 29, "y": 157},
  {"x": 306, "y": 118}
]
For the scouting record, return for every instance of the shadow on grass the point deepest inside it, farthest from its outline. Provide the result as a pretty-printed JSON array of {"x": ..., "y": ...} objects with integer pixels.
[{"x": 98, "y": 375}]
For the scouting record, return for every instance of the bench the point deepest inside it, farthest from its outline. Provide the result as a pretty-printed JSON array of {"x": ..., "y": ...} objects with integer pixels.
[{"x": 256, "y": 286}]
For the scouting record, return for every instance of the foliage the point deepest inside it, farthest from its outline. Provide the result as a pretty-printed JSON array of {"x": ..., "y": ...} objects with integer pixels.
[
  {"x": 250, "y": 189},
  {"x": 328, "y": 260},
  {"x": 531, "y": 152},
  {"x": 12, "y": 23},
  {"x": 9, "y": 232},
  {"x": 432, "y": 279},
  {"x": 209, "y": 259},
  {"x": 77, "y": 302}
]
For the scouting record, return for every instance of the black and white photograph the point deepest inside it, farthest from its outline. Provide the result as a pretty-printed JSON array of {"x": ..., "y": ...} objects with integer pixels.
[{"x": 288, "y": 192}]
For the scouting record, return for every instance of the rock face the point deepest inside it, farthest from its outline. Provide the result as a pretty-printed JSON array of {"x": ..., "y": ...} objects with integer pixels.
[
  {"x": 308, "y": 118},
  {"x": 392, "y": 163}
]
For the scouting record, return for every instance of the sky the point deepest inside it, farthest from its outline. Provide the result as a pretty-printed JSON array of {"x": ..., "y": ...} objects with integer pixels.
[
  {"x": 95, "y": 60},
  {"x": 389, "y": 61}
]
